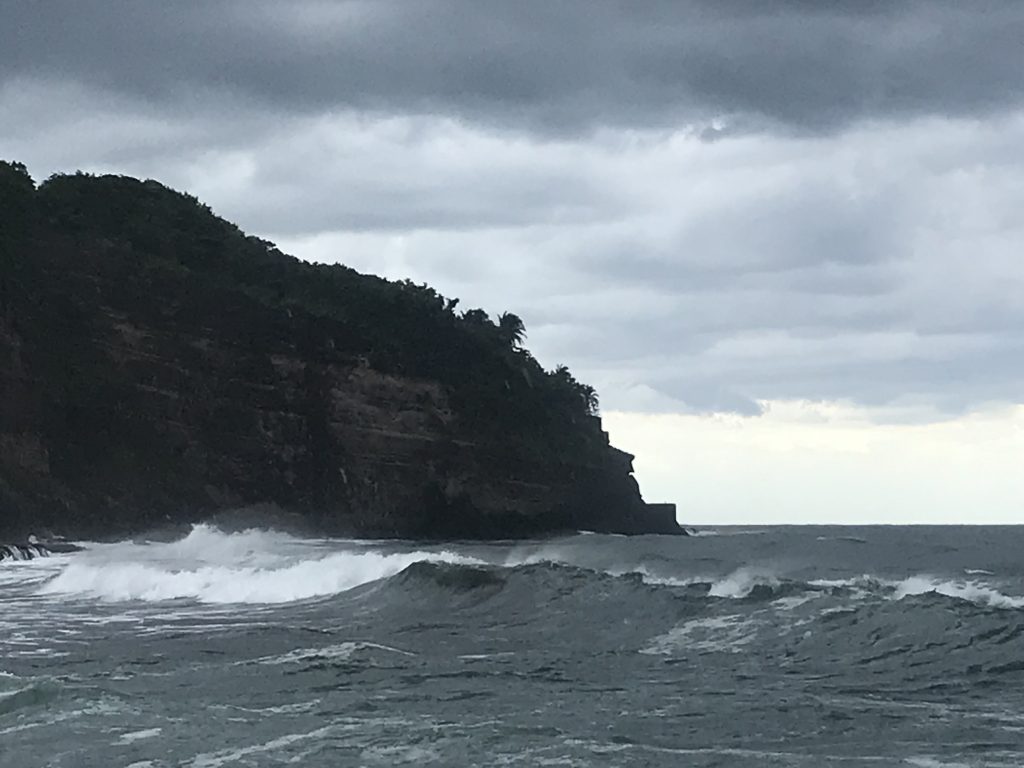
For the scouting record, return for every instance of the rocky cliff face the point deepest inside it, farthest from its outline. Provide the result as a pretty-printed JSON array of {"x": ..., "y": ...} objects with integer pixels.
[{"x": 137, "y": 389}]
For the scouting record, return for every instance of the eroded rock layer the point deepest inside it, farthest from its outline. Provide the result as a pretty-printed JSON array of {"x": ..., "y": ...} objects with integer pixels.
[{"x": 156, "y": 365}]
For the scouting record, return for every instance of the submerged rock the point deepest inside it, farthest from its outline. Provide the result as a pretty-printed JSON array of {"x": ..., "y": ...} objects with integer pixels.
[
  {"x": 59, "y": 547},
  {"x": 21, "y": 552},
  {"x": 24, "y": 551},
  {"x": 33, "y": 548}
]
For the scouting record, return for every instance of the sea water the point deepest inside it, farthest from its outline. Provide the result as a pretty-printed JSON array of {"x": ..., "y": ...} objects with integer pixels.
[{"x": 881, "y": 646}]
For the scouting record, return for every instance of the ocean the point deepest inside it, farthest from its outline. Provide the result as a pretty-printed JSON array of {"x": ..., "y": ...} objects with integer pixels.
[{"x": 760, "y": 646}]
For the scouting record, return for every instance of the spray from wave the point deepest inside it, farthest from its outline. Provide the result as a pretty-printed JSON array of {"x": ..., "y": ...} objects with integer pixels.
[
  {"x": 961, "y": 590},
  {"x": 213, "y": 567},
  {"x": 742, "y": 583},
  {"x": 208, "y": 544},
  {"x": 701, "y": 532},
  {"x": 261, "y": 566}
]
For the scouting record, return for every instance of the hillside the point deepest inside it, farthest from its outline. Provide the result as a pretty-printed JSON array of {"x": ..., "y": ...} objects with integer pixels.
[{"x": 158, "y": 365}]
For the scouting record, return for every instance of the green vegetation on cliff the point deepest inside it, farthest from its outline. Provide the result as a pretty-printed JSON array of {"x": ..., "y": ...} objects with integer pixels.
[
  {"x": 157, "y": 359},
  {"x": 400, "y": 327}
]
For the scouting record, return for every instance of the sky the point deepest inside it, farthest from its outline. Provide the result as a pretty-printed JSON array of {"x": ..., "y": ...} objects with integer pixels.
[{"x": 783, "y": 240}]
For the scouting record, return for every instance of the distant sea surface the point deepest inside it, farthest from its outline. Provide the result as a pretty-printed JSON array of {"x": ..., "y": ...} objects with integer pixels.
[{"x": 778, "y": 646}]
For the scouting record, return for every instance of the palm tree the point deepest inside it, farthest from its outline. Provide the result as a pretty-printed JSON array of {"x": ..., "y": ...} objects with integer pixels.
[
  {"x": 476, "y": 317},
  {"x": 590, "y": 400},
  {"x": 511, "y": 329},
  {"x": 575, "y": 391}
]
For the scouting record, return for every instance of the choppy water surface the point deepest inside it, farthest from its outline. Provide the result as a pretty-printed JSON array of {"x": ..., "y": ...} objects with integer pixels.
[{"x": 740, "y": 647}]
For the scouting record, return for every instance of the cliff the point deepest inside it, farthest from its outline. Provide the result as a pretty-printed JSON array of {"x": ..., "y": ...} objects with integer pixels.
[{"x": 157, "y": 365}]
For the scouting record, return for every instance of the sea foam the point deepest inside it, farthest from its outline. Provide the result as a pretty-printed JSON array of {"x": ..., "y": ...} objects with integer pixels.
[
  {"x": 961, "y": 590},
  {"x": 214, "y": 567},
  {"x": 209, "y": 544},
  {"x": 741, "y": 582}
]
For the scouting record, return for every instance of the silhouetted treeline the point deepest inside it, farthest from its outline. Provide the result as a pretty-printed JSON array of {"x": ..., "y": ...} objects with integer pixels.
[{"x": 398, "y": 327}]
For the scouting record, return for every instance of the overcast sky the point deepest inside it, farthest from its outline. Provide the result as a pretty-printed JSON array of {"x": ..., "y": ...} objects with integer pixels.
[{"x": 783, "y": 239}]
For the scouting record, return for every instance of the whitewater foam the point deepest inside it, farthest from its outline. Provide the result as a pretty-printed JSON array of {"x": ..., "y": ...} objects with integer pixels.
[
  {"x": 133, "y": 736},
  {"x": 931, "y": 762},
  {"x": 226, "y": 756},
  {"x": 402, "y": 755},
  {"x": 338, "y": 652},
  {"x": 962, "y": 590},
  {"x": 792, "y": 602},
  {"x": 305, "y": 579},
  {"x": 662, "y": 581},
  {"x": 728, "y": 634},
  {"x": 741, "y": 582},
  {"x": 209, "y": 544}
]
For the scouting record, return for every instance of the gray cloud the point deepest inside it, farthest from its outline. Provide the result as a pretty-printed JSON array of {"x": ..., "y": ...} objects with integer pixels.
[
  {"x": 553, "y": 67},
  {"x": 697, "y": 206}
]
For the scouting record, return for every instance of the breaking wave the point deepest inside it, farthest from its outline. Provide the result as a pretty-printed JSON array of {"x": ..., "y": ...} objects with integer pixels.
[
  {"x": 750, "y": 583},
  {"x": 961, "y": 590},
  {"x": 213, "y": 567},
  {"x": 450, "y": 576},
  {"x": 261, "y": 566},
  {"x": 209, "y": 544},
  {"x": 743, "y": 583},
  {"x": 221, "y": 584}
]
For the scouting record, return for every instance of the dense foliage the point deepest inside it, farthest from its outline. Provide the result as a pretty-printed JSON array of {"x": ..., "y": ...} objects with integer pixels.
[{"x": 397, "y": 327}]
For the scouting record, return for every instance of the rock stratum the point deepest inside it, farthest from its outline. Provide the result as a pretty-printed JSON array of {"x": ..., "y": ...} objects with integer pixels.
[{"x": 159, "y": 366}]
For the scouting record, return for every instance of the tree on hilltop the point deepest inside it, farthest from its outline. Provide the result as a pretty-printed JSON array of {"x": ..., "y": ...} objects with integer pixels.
[{"x": 511, "y": 329}]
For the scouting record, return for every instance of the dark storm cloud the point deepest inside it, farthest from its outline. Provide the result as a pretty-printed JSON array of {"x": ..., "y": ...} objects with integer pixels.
[
  {"x": 840, "y": 245},
  {"x": 696, "y": 205},
  {"x": 562, "y": 67}
]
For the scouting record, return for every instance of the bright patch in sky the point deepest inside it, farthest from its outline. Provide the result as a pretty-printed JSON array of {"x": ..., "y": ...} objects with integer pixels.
[{"x": 829, "y": 463}]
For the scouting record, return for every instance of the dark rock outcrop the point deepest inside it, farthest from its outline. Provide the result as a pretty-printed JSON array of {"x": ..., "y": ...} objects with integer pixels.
[
  {"x": 31, "y": 549},
  {"x": 157, "y": 366},
  {"x": 21, "y": 552}
]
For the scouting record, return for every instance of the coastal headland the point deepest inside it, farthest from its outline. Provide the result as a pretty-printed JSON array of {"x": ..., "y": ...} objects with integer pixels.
[{"x": 159, "y": 366}]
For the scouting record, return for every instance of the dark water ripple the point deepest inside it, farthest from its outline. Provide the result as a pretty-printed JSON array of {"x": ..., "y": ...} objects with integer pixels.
[{"x": 778, "y": 647}]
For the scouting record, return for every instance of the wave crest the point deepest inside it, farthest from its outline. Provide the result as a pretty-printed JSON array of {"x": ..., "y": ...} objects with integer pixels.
[
  {"x": 266, "y": 566},
  {"x": 960, "y": 590},
  {"x": 745, "y": 582},
  {"x": 209, "y": 544},
  {"x": 329, "y": 575},
  {"x": 453, "y": 577}
]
